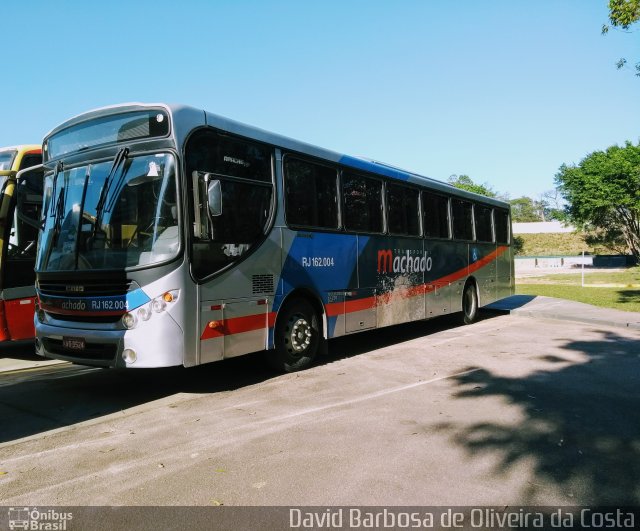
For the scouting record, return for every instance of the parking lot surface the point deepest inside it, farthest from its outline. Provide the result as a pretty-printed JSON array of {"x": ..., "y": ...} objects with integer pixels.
[{"x": 517, "y": 409}]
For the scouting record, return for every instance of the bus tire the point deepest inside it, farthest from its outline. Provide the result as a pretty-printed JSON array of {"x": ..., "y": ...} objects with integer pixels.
[
  {"x": 469, "y": 303},
  {"x": 297, "y": 337}
]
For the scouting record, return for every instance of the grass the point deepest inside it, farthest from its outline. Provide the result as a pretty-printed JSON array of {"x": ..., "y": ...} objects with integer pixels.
[
  {"x": 627, "y": 278},
  {"x": 556, "y": 244},
  {"x": 617, "y": 298},
  {"x": 598, "y": 290}
]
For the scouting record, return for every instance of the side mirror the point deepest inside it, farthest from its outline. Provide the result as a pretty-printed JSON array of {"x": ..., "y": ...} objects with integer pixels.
[{"x": 214, "y": 198}]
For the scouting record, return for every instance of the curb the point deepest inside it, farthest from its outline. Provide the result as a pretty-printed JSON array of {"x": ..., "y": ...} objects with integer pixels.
[{"x": 24, "y": 366}]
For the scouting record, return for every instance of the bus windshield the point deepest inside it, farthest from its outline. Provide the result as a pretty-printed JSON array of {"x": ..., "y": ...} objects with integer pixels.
[
  {"x": 98, "y": 218},
  {"x": 108, "y": 130}
]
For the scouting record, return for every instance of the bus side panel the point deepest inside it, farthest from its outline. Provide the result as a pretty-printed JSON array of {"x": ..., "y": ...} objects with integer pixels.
[
  {"x": 212, "y": 333},
  {"x": 438, "y": 299},
  {"x": 504, "y": 274},
  {"x": 448, "y": 263},
  {"x": 246, "y": 326},
  {"x": 395, "y": 267},
  {"x": 324, "y": 264},
  {"x": 484, "y": 253},
  {"x": 233, "y": 328},
  {"x": 236, "y": 312}
]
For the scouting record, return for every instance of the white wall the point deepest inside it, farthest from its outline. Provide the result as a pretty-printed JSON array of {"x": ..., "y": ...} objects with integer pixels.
[{"x": 541, "y": 227}]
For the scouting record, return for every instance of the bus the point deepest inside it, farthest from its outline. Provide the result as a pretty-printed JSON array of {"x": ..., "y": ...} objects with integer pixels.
[
  {"x": 174, "y": 236},
  {"x": 20, "y": 204}
]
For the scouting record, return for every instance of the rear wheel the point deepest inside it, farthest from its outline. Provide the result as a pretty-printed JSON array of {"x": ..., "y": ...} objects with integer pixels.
[
  {"x": 297, "y": 337},
  {"x": 469, "y": 303}
]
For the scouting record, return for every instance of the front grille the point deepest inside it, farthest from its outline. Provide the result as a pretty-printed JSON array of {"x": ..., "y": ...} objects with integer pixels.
[
  {"x": 84, "y": 287},
  {"x": 92, "y": 351},
  {"x": 84, "y": 318}
]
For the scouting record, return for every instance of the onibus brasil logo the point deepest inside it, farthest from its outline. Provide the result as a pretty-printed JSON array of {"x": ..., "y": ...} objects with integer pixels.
[{"x": 38, "y": 520}]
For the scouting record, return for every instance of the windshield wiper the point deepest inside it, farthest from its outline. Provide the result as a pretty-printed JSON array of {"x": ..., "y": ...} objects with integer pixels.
[
  {"x": 121, "y": 156},
  {"x": 56, "y": 172},
  {"x": 57, "y": 227},
  {"x": 57, "y": 220},
  {"x": 58, "y": 209}
]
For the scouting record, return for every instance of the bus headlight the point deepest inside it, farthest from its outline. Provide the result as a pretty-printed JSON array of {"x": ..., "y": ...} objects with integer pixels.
[
  {"x": 158, "y": 305},
  {"x": 143, "y": 313},
  {"x": 129, "y": 321},
  {"x": 129, "y": 355}
]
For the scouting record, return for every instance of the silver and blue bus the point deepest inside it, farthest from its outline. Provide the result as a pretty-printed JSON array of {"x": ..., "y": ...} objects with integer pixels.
[{"x": 173, "y": 236}]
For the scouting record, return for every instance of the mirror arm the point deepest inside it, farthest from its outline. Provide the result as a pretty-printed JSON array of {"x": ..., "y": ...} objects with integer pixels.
[{"x": 197, "y": 226}]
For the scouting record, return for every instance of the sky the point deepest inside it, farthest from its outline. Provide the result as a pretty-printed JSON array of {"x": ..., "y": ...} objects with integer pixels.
[{"x": 503, "y": 91}]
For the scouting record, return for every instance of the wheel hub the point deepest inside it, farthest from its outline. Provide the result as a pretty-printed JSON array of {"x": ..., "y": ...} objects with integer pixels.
[{"x": 300, "y": 334}]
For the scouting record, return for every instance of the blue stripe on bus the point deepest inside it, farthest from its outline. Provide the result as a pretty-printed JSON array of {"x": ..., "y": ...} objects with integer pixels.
[
  {"x": 137, "y": 298},
  {"x": 382, "y": 169},
  {"x": 320, "y": 261}
]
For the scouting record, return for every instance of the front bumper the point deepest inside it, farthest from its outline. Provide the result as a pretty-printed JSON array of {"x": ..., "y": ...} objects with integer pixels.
[{"x": 156, "y": 343}]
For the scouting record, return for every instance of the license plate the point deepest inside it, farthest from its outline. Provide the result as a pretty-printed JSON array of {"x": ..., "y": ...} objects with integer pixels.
[{"x": 73, "y": 343}]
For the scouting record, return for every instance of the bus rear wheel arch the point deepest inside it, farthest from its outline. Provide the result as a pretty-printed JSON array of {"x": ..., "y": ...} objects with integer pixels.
[
  {"x": 470, "y": 302},
  {"x": 298, "y": 336}
]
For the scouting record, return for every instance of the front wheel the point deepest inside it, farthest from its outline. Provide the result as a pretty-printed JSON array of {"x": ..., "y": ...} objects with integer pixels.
[
  {"x": 469, "y": 304},
  {"x": 297, "y": 337}
]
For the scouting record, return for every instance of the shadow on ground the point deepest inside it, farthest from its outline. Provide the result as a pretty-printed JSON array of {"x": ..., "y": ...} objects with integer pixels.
[
  {"x": 19, "y": 350},
  {"x": 35, "y": 401},
  {"x": 629, "y": 295},
  {"x": 510, "y": 303},
  {"x": 581, "y": 422}
]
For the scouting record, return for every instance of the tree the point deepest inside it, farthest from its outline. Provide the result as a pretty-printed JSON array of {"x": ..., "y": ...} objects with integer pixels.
[
  {"x": 623, "y": 14},
  {"x": 551, "y": 202},
  {"x": 524, "y": 209},
  {"x": 603, "y": 195},
  {"x": 464, "y": 182}
]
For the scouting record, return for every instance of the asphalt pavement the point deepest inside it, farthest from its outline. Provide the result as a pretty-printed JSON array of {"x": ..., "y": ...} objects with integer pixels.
[
  {"x": 564, "y": 310},
  {"x": 512, "y": 410}
]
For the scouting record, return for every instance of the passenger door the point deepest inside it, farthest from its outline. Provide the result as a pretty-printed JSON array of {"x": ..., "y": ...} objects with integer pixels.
[{"x": 18, "y": 275}]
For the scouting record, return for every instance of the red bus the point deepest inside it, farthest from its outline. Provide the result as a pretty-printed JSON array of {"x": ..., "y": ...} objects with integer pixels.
[{"x": 20, "y": 206}]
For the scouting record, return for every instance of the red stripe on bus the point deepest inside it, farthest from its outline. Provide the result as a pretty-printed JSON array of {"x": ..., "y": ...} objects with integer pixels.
[
  {"x": 237, "y": 325},
  {"x": 358, "y": 305},
  {"x": 250, "y": 323}
]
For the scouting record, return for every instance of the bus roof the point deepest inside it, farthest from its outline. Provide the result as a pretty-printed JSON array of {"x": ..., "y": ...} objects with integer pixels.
[
  {"x": 178, "y": 111},
  {"x": 22, "y": 148}
]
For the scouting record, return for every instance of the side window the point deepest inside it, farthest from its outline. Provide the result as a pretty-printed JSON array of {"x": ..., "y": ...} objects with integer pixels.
[
  {"x": 435, "y": 210},
  {"x": 484, "y": 231},
  {"x": 30, "y": 159},
  {"x": 311, "y": 194},
  {"x": 502, "y": 226},
  {"x": 462, "y": 219},
  {"x": 6, "y": 159},
  {"x": 235, "y": 157},
  {"x": 242, "y": 172},
  {"x": 403, "y": 210},
  {"x": 362, "y": 203}
]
